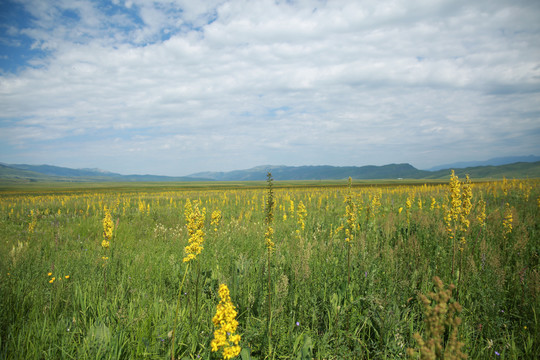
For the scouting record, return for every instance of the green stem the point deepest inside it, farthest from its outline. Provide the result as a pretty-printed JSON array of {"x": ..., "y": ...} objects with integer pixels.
[
  {"x": 177, "y": 308},
  {"x": 348, "y": 264},
  {"x": 197, "y": 290},
  {"x": 269, "y": 309}
]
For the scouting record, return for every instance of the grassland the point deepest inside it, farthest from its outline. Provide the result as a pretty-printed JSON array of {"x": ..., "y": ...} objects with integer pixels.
[{"x": 64, "y": 296}]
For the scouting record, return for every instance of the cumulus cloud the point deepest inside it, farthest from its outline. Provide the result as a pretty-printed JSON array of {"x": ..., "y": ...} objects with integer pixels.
[{"x": 182, "y": 86}]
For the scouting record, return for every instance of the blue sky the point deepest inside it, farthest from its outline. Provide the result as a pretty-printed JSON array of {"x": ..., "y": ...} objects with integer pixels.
[{"x": 175, "y": 87}]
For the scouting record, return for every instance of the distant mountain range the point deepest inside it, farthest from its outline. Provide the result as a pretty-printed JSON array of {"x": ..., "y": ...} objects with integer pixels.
[
  {"x": 491, "y": 162},
  {"x": 391, "y": 171},
  {"x": 41, "y": 173},
  {"x": 32, "y": 173}
]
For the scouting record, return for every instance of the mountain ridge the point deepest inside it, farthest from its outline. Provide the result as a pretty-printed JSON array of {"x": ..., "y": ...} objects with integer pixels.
[
  {"x": 42, "y": 173},
  {"x": 33, "y": 173},
  {"x": 490, "y": 162}
]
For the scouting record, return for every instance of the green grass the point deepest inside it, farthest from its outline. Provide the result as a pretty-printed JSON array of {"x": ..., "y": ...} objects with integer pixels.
[{"x": 315, "y": 314}]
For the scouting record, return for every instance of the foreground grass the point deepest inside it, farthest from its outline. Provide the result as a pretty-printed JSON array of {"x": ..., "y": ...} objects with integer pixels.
[{"x": 124, "y": 306}]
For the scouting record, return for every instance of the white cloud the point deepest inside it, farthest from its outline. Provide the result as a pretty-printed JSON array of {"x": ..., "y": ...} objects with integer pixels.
[{"x": 229, "y": 84}]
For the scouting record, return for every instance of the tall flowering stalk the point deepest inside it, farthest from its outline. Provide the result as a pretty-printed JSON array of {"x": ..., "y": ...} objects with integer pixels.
[
  {"x": 408, "y": 205},
  {"x": 482, "y": 213},
  {"x": 33, "y": 222},
  {"x": 268, "y": 238},
  {"x": 464, "y": 222},
  {"x": 216, "y": 219},
  {"x": 108, "y": 228},
  {"x": 301, "y": 214},
  {"x": 453, "y": 211},
  {"x": 433, "y": 204},
  {"x": 291, "y": 206},
  {"x": 376, "y": 204},
  {"x": 466, "y": 207},
  {"x": 507, "y": 224},
  {"x": 225, "y": 322},
  {"x": 195, "y": 224},
  {"x": 350, "y": 230},
  {"x": 457, "y": 214}
]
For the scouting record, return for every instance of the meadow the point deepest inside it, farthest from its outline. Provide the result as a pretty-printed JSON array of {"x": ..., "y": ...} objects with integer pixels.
[{"x": 324, "y": 270}]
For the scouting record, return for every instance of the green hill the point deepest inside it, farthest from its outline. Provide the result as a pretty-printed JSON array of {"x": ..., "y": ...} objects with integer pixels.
[
  {"x": 21, "y": 173},
  {"x": 392, "y": 171},
  {"x": 518, "y": 170}
]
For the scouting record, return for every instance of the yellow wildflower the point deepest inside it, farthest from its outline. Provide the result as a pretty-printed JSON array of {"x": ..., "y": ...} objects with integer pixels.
[
  {"x": 108, "y": 227},
  {"x": 226, "y": 324},
  {"x": 301, "y": 213},
  {"x": 269, "y": 214},
  {"x": 52, "y": 280},
  {"x": 216, "y": 218},
  {"x": 32, "y": 224},
  {"x": 291, "y": 207},
  {"x": 482, "y": 215},
  {"x": 408, "y": 203},
  {"x": 466, "y": 204},
  {"x": 455, "y": 194},
  {"x": 268, "y": 235},
  {"x": 195, "y": 223},
  {"x": 507, "y": 221}
]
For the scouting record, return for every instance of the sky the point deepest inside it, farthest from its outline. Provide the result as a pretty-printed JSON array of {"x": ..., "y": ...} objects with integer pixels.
[{"x": 175, "y": 87}]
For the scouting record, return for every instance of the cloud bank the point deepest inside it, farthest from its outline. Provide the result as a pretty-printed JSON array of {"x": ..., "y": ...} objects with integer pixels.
[{"x": 175, "y": 87}]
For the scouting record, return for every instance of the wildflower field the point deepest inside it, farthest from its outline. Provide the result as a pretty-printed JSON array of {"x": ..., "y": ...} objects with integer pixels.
[{"x": 271, "y": 270}]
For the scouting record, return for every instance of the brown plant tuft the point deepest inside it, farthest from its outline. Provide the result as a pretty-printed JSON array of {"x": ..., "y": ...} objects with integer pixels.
[{"x": 440, "y": 317}]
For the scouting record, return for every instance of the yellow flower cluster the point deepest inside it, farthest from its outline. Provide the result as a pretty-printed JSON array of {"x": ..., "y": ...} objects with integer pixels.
[
  {"x": 433, "y": 203},
  {"x": 195, "y": 223},
  {"x": 507, "y": 221},
  {"x": 408, "y": 205},
  {"x": 291, "y": 206},
  {"x": 301, "y": 213},
  {"x": 455, "y": 197},
  {"x": 268, "y": 236},
  {"x": 108, "y": 227},
  {"x": 226, "y": 324},
  {"x": 466, "y": 204},
  {"x": 376, "y": 202},
  {"x": 482, "y": 212},
  {"x": 216, "y": 218},
  {"x": 453, "y": 210},
  {"x": 33, "y": 221},
  {"x": 269, "y": 215},
  {"x": 53, "y": 278},
  {"x": 459, "y": 208}
]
